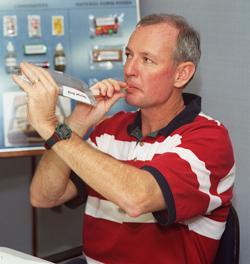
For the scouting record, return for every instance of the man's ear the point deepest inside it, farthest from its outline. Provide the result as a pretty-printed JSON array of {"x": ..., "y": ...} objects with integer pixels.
[{"x": 184, "y": 73}]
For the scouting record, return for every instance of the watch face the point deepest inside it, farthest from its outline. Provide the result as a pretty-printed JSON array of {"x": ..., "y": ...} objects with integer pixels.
[{"x": 63, "y": 131}]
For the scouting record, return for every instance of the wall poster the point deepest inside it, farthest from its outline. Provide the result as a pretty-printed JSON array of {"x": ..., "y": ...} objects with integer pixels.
[{"x": 84, "y": 38}]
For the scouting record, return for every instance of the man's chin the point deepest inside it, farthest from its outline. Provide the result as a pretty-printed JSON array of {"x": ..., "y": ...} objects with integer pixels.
[{"x": 131, "y": 100}]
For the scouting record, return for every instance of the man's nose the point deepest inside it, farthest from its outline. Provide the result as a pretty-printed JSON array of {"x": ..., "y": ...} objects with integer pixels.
[{"x": 131, "y": 67}]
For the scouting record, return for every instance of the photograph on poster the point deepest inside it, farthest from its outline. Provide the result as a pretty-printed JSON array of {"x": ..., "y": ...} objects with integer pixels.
[
  {"x": 17, "y": 130},
  {"x": 34, "y": 26},
  {"x": 57, "y": 25},
  {"x": 10, "y": 26}
]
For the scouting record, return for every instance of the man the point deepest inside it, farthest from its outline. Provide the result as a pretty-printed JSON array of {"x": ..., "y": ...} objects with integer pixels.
[{"x": 157, "y": 182}]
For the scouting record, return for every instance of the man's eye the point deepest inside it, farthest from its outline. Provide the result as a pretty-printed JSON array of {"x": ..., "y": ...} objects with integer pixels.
[
  {"x": 147, "y": 60},
  {"x": 128, "y": 55}
]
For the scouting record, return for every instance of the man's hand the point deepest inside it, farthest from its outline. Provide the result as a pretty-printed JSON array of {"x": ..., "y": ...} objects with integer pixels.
[
  {"x": 84, "y": 116},
  {"x": 42, "y": 93}
]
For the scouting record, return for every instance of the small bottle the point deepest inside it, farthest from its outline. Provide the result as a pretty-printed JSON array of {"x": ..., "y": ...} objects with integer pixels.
[
  {"x": 59, "y": 58},
  {"x": 10, "y": 59}
]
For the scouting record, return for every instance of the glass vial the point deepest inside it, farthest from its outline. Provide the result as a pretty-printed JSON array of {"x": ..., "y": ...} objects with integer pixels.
[
  {"x": 59, "y": 58},
  {"x": 10, "y": 59}
]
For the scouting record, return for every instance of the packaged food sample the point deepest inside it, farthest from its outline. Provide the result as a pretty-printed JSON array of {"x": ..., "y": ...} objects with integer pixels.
[
  {"x": 105, "y": 25},
  {"x": 100, "y": 55},
  {"x": 106, "y": 57},
  {"x": 35, "y": 49}
]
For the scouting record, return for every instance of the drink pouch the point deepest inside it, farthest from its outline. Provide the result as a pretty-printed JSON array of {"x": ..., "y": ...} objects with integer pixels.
[{"x": 71, "y": 87}]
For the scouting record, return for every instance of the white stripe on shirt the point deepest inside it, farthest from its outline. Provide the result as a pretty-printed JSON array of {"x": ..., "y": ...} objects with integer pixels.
[
  {"x": 202, "y": 173},
  {"x": 226, "y": 182},
  {"x": 206, "y": 227},
  {"x": 107, "y": 210},
  {"x": 126, "y": 150}
]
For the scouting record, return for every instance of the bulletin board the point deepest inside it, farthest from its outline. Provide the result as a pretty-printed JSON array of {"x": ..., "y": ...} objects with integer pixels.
[{"x": 92, "y": 36}]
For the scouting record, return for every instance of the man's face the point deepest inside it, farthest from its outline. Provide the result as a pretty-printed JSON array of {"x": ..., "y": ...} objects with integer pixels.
[{"x": 150, "y": 69}]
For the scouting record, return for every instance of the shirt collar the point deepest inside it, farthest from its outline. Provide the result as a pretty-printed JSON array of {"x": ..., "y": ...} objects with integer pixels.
[{"x": 187, "y": 115}]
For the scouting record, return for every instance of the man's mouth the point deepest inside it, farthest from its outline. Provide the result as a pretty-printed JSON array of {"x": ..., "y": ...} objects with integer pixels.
[{"x": 131, "y": 85}]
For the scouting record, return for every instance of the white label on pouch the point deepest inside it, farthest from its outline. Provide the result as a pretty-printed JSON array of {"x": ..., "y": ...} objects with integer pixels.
[{"x": 75, "y": 94}]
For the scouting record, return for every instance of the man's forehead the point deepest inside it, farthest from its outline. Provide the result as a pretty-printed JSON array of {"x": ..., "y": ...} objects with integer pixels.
[
  {"x": 146, "y": 35},
  {"x": 158, "y": 29}
]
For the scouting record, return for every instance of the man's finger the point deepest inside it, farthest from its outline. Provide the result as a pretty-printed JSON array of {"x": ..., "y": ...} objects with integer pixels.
[
  {"x": 111, "y": 101},
  {"x": 46, "y": 76},
  {"x": 27, "y": 70},
  {"x": 47, "y": 82},
  {"x": 99, "y": 88},
  {"x": 110, "y": 87},
  {"x": 122, "y": 84},
  {"x": 24, "y": 85},
  {"x": 115, "y": 84}
]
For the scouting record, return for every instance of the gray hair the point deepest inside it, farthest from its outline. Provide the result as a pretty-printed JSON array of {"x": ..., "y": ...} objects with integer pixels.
[{"x": 188, "y": 40}]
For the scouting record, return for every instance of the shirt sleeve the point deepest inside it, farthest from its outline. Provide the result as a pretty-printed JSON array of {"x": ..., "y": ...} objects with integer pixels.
[
  {"x": 195, "y": 176},
  {"x": 81, "y": 190}
]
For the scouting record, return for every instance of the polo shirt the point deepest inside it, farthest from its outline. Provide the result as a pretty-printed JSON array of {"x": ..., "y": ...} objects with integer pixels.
[{"x": 192, "y": 160}]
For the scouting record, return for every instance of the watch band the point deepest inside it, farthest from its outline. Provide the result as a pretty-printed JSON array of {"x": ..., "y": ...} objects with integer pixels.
[{"x": 49, "y": 143}]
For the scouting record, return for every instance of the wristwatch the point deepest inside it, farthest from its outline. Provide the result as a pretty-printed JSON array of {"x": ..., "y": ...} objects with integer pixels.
[{"x": 62, "y": 132}]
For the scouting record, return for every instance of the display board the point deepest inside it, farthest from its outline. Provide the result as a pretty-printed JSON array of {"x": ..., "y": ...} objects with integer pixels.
[{"x": 83, "y": 38}]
